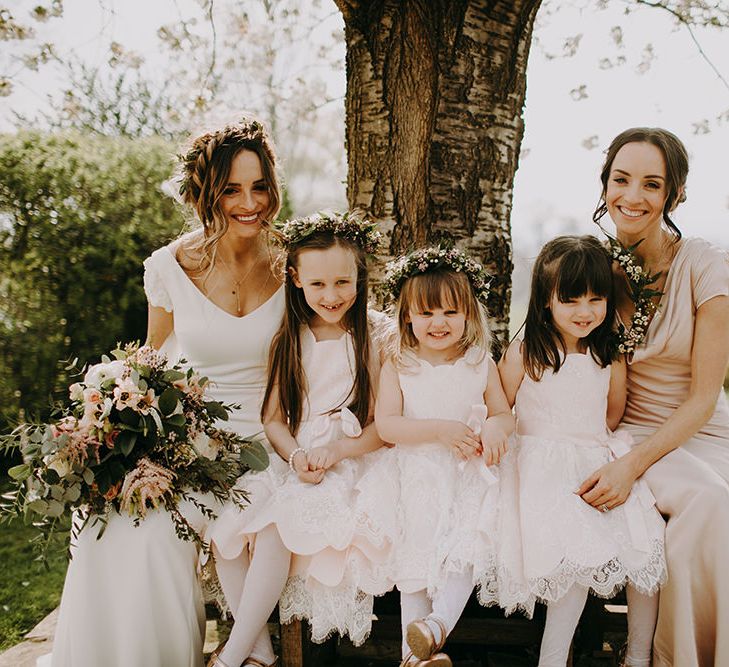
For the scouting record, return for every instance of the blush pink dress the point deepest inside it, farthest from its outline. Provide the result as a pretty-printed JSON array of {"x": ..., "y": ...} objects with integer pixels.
[{"x": 690, "y": 484}]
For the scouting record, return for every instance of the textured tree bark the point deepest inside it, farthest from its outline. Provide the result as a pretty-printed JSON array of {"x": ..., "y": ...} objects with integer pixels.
[{"x": 435, "y": 92}]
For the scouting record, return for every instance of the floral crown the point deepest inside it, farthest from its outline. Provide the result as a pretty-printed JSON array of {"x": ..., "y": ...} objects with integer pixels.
[
  {"x": 346, "y": 225},
  {"x": 244, "y": 130},
  {"x": 434, "y": 257}
]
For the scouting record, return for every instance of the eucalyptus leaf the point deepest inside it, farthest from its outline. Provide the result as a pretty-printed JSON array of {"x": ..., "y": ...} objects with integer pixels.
[
  {"x": 254, "y": 455},
  {"x": 172, "y": 375},
  {"x": 88, "y": 475},
  {"x": 175, "y": 420},
  {"x": 55, "y": 508},
  {"x": 39, "y": 506},
  {"x": 73, "y": 493},
  {"x": 168, "y": 401},
  {"x": 20, "y": 472}
]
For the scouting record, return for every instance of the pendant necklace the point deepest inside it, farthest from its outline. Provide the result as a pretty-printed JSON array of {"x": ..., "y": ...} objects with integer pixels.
[{"x": 237, "y": 283}]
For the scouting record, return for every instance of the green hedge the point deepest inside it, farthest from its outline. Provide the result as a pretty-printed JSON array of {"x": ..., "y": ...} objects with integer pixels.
[{"x": 78, "y": 215}]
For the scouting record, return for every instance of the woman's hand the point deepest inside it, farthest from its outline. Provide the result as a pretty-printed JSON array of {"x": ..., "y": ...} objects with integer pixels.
[
  {"x": 610, "y": 485},
  {"x": 324, "y": 457},
  {"x": 456, "y": 434},
  {"x": 495, "y": 442},
  {"x": 304, "y": 470}
]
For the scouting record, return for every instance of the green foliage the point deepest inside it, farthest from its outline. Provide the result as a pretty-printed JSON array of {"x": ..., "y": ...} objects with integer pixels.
[
  {"x": 29, "y": 589},
  {"x": 78, "y": 215}
]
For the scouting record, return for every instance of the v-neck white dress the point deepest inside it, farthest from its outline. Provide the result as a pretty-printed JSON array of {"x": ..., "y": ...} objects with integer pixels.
[{"x": 132, "y": 598}]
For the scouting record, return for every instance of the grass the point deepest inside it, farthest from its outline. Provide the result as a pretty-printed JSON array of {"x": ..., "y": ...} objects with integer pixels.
[{"x": 29, "y": 590}]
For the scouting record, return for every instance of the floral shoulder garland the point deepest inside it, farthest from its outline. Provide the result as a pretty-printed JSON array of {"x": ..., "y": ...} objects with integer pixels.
[
  {"x": 642, "y": 294},
  {"x": 347, "y": 225}
]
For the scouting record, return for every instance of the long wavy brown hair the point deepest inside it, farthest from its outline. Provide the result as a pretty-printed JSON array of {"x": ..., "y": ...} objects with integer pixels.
[
  {"x": 285, "y": 370},
  {"x": 204, "y": 173}
]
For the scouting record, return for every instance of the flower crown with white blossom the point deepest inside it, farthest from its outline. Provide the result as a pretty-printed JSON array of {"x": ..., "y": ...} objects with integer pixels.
[
  {"x": 428, "y": 259},
  {"x": 348, "y": 225}
]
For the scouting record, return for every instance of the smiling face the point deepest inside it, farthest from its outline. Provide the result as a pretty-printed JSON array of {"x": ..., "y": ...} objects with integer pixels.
[
  {"x": 245, "y": 201},
  {"x": 577, "y": 318},
  {"x": 328, "y": 278},
  {"x": 437, "y": 330},
  {"x": 636, "y": 190}
]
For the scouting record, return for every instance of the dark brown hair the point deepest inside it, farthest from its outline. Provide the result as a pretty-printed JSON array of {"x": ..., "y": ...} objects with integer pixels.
[
  {"x": 675, "y": 157},
  {"x": 567, "y": 267},
  {"x": 285, "y": 369}
]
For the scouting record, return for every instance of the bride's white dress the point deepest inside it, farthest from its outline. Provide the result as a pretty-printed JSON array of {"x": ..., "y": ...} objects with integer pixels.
[{"x": 132, "y": 598}]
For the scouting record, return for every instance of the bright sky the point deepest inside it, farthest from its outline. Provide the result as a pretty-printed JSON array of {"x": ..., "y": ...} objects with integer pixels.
[{"x": 557, "y": 182}]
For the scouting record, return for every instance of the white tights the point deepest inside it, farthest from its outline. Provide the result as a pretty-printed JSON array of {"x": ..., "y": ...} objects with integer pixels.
[
  {"x": 563, "y": 616},
  {"x": 447, "y": 605},
  {"x": 252, "y": 589}
]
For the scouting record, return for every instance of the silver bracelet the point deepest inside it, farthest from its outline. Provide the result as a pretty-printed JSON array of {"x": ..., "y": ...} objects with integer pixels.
[{"x": 291, "y": 457}]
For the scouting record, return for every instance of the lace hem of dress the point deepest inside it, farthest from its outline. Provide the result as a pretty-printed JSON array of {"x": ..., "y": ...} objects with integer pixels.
[
  {"x": 343, "y": 610},
  {"x": 211, "y": 587},
  {"x": 604, "y": 581},
  {"x": 155, "y": 289}
]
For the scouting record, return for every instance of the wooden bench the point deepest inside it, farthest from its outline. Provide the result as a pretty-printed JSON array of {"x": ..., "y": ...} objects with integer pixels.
[{"x": 480, "y": 631}]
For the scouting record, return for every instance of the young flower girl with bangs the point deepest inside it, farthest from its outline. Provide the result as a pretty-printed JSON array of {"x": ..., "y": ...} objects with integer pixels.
[
  {"x": 569, "y": 390},
  {"x": 441, "y": 401}
]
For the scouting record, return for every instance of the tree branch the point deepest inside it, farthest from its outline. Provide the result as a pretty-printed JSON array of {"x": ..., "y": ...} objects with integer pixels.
[{"x": 683, "y": 20}]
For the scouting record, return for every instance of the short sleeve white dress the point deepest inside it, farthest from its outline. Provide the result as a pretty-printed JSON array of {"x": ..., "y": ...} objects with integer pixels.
[{"x": 132, "y": 598}]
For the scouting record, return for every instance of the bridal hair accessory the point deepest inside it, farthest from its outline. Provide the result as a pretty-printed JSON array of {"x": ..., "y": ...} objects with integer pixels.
[
  {"x": 204, "y": 146},
  {"x": 429, "y": 259},
  {"x": 347, "y": 225}
]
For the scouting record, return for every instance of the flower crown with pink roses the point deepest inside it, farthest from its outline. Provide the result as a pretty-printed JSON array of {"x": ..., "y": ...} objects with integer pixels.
[{"x": 434, "y": 257}]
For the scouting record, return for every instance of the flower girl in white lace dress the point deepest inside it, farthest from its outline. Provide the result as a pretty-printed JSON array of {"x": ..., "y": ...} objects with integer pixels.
[
  {"x": 440, "y": 399},
  {"x": 569, "y": 390},
  {"x": 324, "y": 501}
]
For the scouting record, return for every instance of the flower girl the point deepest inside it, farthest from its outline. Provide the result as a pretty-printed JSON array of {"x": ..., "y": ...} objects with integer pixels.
[
  {"x": 440, "y": 399},
  {"x": 321, "y": 500},
  {"x": 569, "y": 390}
]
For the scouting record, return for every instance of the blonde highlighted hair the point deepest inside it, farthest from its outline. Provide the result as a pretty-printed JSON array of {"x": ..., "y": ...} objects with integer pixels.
[{"x": 440, "y": 287}]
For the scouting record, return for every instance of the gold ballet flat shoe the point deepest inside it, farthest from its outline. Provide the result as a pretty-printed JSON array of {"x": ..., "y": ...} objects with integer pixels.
[
  {"x": 215, "y": 656},
  {"x": 436, "y": 660},
  {"x": 254, "y": 662},
  {"x": 421, "y": 639}
]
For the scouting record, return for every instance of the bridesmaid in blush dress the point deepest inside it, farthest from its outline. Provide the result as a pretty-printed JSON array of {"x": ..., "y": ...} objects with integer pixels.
[{"x": 676, "y": 410}]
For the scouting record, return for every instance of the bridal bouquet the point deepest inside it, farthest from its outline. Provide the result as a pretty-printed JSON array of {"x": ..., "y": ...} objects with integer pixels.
[{"x": 139, "y": 434}]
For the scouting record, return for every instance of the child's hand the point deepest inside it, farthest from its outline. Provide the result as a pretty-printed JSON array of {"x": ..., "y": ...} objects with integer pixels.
[
  {"x": 324, "y": 457},
  {"x": 304, "y": 471},
  {"x": 495, "y": 442},
  {"x": 456, "y": 434}
]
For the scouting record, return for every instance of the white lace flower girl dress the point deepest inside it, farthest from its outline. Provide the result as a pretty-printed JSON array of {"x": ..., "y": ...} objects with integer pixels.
[
  {"x": 550, "y": 539},
  {"x": 447, "y": 509},
  {"x": 340, "y": 530}
]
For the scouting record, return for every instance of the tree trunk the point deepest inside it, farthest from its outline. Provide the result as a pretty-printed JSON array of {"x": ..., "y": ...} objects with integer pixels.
[{"x": 435, "y": 91}]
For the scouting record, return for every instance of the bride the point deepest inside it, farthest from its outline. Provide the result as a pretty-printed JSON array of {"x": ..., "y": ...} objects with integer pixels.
[{"x": 131, "y": 598}]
